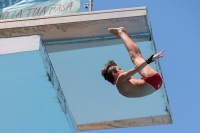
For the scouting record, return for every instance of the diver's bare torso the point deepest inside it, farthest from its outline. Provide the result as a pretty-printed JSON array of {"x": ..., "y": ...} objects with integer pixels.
[{"x": 134, "y": 87}]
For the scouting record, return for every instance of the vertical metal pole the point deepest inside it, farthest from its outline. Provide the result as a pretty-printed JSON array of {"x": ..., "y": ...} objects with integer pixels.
[
  {"x": 10, "y": 2},
  {"x": 90, "y": 5}
]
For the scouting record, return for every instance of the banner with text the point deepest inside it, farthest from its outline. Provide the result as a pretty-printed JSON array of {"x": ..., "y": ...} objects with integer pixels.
[{"x": 34, "y": 8}]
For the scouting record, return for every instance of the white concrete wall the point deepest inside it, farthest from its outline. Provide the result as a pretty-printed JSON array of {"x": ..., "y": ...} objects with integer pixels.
[{"x": 19, "y": 44}]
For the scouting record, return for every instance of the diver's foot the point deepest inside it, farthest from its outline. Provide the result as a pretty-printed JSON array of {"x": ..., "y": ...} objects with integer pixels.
[{"x": 117, "y": 31}]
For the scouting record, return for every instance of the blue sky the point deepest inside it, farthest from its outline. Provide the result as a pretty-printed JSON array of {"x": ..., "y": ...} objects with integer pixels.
[{"x": 175, "y": 28}]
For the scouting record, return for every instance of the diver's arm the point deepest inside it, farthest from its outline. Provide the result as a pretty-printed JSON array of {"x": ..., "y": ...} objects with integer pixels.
[{"x": 126, "y": 75}]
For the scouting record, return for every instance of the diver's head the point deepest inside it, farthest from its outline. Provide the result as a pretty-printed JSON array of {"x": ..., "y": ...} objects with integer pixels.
[{"x": 111, "y": 71}]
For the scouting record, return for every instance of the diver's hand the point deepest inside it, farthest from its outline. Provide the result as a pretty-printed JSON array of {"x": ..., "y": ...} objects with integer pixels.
[{"x": 158, "y": 55}]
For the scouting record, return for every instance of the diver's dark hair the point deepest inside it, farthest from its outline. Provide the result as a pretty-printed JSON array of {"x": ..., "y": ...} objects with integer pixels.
[{"x": 107, "y": 70}]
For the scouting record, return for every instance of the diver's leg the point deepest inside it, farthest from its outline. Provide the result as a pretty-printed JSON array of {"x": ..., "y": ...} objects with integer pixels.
[{"x": 133, "y": 50}]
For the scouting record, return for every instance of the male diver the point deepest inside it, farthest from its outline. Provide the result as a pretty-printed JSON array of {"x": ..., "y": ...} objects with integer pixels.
[{"x": 126, "y": 84}]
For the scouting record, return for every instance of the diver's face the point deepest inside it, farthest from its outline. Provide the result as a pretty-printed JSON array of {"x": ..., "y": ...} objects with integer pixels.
[
  {"x": 117, "y": 72},
  {"x": 118, "y": 69}
]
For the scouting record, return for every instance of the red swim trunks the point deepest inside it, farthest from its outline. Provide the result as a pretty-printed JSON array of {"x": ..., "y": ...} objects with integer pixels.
[{"x": 155, "y": 81}]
